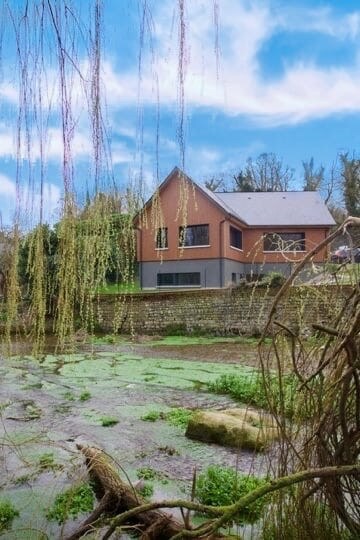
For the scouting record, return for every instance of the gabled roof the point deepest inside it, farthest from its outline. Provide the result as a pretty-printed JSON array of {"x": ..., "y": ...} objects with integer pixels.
[
  {"x": 278, "y": 208},
  {"x": 275, "y": 208}
]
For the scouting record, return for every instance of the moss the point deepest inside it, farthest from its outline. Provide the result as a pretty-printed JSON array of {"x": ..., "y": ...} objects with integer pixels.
[{"x": 229, "y": 430}]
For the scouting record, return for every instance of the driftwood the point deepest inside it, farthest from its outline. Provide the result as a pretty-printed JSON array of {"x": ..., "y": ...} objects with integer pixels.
[{"x": 116, "y": 497}]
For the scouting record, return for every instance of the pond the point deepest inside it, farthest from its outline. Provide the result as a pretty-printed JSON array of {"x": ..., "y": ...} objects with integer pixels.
[{"x": 106, "y": 395}]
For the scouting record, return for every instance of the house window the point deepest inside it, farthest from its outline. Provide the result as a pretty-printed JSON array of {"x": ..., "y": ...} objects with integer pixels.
[
  {"x": 194, "y": 235},
  {"x": 284, "y": 241},
  {"x": 162, "y": 238},
  {"x": 235, "y": 238},
  {"x": 178, "y": 279}
]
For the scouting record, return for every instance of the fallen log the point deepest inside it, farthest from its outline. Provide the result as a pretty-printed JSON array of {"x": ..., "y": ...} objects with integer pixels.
[
  {"x": 116, "y": 497},
  {"x": 239, "y": 428}
]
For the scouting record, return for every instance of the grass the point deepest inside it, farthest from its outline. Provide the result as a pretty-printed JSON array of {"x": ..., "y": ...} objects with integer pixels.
[
  {"x": 108, "y": 421},
  {"x": 119, "y": 288},
  {"x": 179, "y": 340},
  {"x": 46, "y": 462},
  {"x": 249, "y": 389},
  {"x": 151, "y": 416}
]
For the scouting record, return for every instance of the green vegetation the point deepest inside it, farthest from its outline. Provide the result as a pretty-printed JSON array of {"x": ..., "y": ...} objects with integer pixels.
[
  {"x": 272, "y": 279},
  {"x": 220, "y": 486},
  {"x": 7, "y": 514},
  {"x": 69, "y": 396},
  {"x": 147, "y": 473},
  {"x": 147, "y": 490},
  {"x": 151, "y": 416},
  {"x": 71, "y": 503},
  {"x": 249, "y": 388},
  {"x": 47, "y": 462},
  {"x": 183, "y": 339},
  {"x": 179, "y": 417},
  {"x": 119, "y": 288},
  {"x": 85, "y": 395},
  {"x": 108, "y": 421}
]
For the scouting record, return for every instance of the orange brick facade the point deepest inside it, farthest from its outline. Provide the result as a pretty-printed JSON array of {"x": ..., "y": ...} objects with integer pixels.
[{"x": 180, "y": 203}]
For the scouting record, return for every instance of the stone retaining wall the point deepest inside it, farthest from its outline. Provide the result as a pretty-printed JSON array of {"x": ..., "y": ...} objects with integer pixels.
[{"x": 220, "y": 311}]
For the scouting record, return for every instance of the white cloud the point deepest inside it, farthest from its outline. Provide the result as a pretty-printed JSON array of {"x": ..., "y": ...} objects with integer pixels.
[{"x": 303, "y": 92}]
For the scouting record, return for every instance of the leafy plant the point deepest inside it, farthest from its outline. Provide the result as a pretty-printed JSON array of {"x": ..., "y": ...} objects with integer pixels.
[
  {"x": 71, "y": 503},
  {"x": 221, "y": 486},
  {"x": 147, "y": 490},
  {"x": 147, "y": 473},
  {"x": 7, "y": 514},
  {"x": 179, "y": 417}
]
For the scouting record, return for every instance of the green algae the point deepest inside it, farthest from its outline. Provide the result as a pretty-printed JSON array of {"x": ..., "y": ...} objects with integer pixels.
[{"x": 122, "y": 386}]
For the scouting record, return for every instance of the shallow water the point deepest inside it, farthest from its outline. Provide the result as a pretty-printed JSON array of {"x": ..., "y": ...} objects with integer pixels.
[{"x": 43, "y": 412}]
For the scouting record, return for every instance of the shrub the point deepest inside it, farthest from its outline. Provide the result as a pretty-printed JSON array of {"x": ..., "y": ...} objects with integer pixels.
[
  {"x": 272, "y": 279},
  {"x": 71, "y": 503},
  {"x": 222, "y": 486},
  {"x": 7, "y": 514}
]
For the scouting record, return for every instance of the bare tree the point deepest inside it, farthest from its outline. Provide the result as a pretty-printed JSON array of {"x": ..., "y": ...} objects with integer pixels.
[
  {"x": 313, "y": 178},
  {"x": 266, "y": 173}
]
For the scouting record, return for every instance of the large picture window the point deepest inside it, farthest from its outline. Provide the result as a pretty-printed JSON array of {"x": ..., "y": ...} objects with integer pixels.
[
  {"x": 194, "y": 235},
  {"x": 284, "y": 241},
  {"x": 178, "y": 279},
  {"x": 162, "y": 238},
  {"x": 235, "y": 238}
]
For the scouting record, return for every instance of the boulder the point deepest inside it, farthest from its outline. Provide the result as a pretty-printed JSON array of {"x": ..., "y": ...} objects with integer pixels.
[{"x": 239, "y": 428}]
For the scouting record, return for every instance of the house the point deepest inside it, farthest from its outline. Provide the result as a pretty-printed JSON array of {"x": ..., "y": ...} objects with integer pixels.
[{"x": 188, "y": 236}]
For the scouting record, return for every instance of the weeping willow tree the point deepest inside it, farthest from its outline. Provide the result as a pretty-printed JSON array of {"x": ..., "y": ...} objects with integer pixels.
[
  {"x": 57, "y": 58},
  {"x": 57, "y": 66}
]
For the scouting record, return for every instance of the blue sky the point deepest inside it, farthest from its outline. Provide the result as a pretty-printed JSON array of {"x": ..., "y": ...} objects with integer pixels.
[{"x": 286, "y": 79}]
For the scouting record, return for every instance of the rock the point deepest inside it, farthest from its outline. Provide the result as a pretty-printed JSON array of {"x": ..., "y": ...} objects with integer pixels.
[{"x": 239, "y": 428}]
